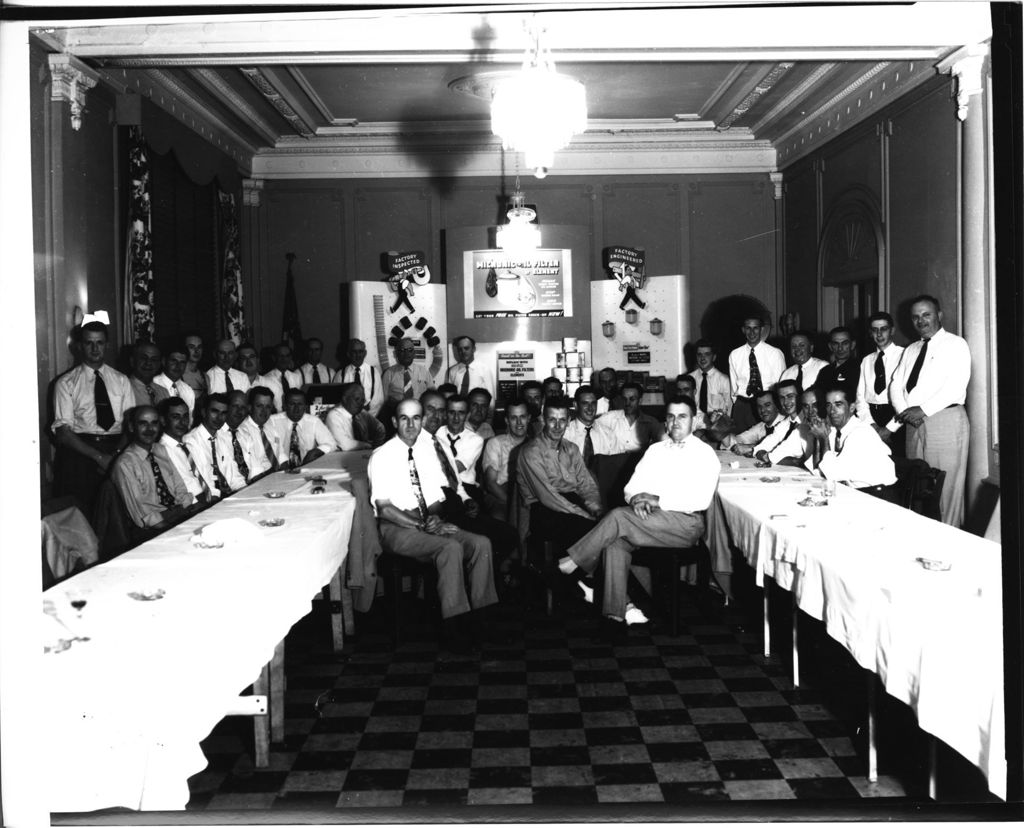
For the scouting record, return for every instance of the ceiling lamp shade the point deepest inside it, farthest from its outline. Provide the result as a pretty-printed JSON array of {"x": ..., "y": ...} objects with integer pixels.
[
  {"x": 537, "y": 111},
  {"x": 519, "y": 235}
]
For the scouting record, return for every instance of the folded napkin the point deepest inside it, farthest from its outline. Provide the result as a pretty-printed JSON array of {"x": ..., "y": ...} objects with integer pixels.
[{"x": 226, "y": 532}]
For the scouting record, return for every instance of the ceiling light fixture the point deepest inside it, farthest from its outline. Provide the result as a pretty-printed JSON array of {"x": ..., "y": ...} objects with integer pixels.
[
  {"x": 520, "y": 235},
  {"x": 537, "y": 111}
]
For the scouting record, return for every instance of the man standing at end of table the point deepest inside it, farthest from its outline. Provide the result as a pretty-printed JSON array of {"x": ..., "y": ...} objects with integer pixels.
[
  {"x": 928, "y": 391},
  {"x": 753, "y": 368},
  {"x": 668, "y": 494},
  {"x": 407, "y": 493}
]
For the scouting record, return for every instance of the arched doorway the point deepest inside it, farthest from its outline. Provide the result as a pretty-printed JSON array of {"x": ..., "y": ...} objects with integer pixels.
[{"x": 851, "y": 265}]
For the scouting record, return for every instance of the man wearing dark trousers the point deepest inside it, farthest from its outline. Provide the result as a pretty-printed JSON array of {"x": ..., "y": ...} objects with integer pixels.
[{"x": 876, "y": 370}]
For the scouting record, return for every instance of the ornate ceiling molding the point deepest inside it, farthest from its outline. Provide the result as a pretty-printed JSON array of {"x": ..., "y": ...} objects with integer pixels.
[
  {"x": 796, "y": 94},
  {"x": 71, "y": 79},
  {"x": 754, "y": 95},
  {"x": 270, "y": 91},
  {"x": 216, "y": 84}
]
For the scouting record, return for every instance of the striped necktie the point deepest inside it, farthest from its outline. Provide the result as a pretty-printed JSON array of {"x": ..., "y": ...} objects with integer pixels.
[
  {"x": 218, "y": 475},
  {"x": 442, "y": 458},
  {"x": 268, "y": 449}
]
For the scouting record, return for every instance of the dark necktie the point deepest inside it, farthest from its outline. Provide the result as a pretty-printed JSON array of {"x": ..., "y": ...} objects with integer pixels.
[
  {"x": 268, "y": 449},
  {"x": 800, "y": 375},
  {"x": 879, "y": 373},
  {"x": 588, "y": 447},
  {"x": 754, "y": 386},
  {"x": 793, "y": 425},
  {"x": 769, "y": 429},
  {"x": 227, "y": 382},
  {"x": 407, "y": 384},
  {"x": 218, "y": 476},
  {"x": 464, "y": 390},
  {"x": 294, "y": 455},
  {"x": 284, "y": 380},
  {"x": 452, "y": 441},
  {"x": 243, "y": 467},
  {"x": 174, "y": 390},
  {"x": 915, "y": 372},
  {"x": 194, "y": 468},
  {"x": 449, "y": 472},
  {"x": 839, "y": 446},
  {"x": 702, "y": 404},
  {"x": 104, "y": 410},
  {"x": 166, "y": 498},
  {"x": 316, "y": 375},
  {"x": 414, "y": 477}
]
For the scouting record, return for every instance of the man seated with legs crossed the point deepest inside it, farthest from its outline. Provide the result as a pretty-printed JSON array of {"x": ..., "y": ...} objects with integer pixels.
[
  {"x": 668, "y": 494},
  {"x": 407, "y": 493}
]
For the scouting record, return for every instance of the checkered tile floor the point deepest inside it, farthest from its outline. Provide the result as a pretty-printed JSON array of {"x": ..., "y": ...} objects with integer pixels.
[{"x": 560, "y": 716}]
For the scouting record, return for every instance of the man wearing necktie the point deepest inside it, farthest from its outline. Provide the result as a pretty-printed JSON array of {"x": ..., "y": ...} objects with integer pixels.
[
  {"x": 283, "y": 375},
  {"x": 313, "y": 371},
  {"x": 927, "y": 391},
  {"x": 351, "y": 425},
  {"x": 495, "y": 462},
  {"x": 224, "y": 377},
  {"x": 876, "y": 371},
  {"x": 313, "y": 438},
  {"x": 713, "y": 389},
  {"x": 847, "y": 450},
  {"x": 263, "y": 439},
  {"x": 90, "y": 402},
  {"x": 667, "y": 495},
  {"x": 173, "y": 378},
  {"x": 467, "y": 373},
  {"x": 175, "y": 420},
  {"x": 407, "y": 494},
  {"x": 368, "y": 376},
  {"x": 806, "y": 366},
  {"x": 753, "y": 368},
  {"x": 150, "y": 487},
  {"x": 582, "y": 431},
  {"x": 406, "y": 378},
  {"x": 145, "y": 362},
  {"x": 210, "y": 445}
]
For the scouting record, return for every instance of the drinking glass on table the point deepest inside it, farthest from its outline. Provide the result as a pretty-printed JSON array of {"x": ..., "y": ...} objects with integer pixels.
[
  {"x": 78, "y": 598},
  {"x": 828, "y": 489}
]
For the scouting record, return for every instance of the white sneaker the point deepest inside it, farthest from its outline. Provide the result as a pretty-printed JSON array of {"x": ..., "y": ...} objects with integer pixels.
[
  {"x": 588, "y": 592},
  {"x": 634, "y": 616}
]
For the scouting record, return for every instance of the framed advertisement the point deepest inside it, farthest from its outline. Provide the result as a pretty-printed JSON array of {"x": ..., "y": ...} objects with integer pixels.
[{"x": 503, "y": 286}]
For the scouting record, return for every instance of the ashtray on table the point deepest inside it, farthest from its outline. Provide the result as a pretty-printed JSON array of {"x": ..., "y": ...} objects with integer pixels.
[
  {"x": 147, "y": 594},
  {"x": 770, "y": 478},
  {"x": 273, "y": 494},
  {"x": 934, "y": 565},
  {"x": 279, "y": 521}
]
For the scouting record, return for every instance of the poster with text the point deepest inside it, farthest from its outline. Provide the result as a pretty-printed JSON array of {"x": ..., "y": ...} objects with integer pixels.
[{"x": 500, "y": 285}]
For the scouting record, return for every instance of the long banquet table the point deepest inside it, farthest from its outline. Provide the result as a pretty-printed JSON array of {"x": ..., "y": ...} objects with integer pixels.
[
  {"x": 124, "y": 712},
  {"x": 933, "y": 637}
]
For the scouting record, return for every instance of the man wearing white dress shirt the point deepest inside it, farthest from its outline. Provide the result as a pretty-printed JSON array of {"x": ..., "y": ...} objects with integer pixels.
[
  {"x": 351, "y": 426},
  {"x": 313, "y": 371},
  {"x": 583, "y": 427},
  {"x": 806, "y": 366},
  {"x": 753, "y": 368},
  {"x": 406, "y": 379},
  {"x": 249, "y": 364},
  {"x": 479, "y": 412},
  {"x": 301, "y": 436},
  {"x": 282, "y": 374},
  {"x": 247, "y": 452},
  {"x": 629, "y": 429},
  {"x": 714, "y": 392},
  {"x": 798, "y": 444},
  {"x": 263, "y": 439},
  {"x": 769, "y": 419},
  {"x": 176, "y": 420},
  {"x": 609, "y": 399},
  {"x": 172, "y": 379},
  {"x": 848, "y": 450},
  {"x": 209, "y": 443},
  {"x": 467, "y": 374},
  {"x": 223, "y": 376},
  {"x": 145, "y": 366},
  {"x": 464, "y": 446},
  {"x": 495, "y": 461},
  {"x": 876, "y": 370},
  {"x": 407, "y": 493},
  {"x": 366, "y": 375},
  {"x": 928, "y": 391},
  {"x": 90, "y": 402},
  {"x": 667, "y": 494}
]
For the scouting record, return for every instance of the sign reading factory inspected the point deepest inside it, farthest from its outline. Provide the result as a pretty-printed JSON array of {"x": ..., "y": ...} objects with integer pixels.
[{"x": 503, "y": 286}]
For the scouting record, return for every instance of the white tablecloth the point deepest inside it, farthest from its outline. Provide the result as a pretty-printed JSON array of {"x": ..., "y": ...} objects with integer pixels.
[
  {"x": 934, "y": 638},
  {"x": 124, "y": 712}
]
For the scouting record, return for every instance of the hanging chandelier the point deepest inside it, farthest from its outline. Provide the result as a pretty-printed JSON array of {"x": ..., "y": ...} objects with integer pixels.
[
  {"x": 537, "y": 111},
  {"x": 520, "y": 235}
]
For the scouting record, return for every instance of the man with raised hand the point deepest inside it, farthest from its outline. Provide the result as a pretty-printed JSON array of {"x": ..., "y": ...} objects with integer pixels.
[
  {"x": 407, "y": 493},
  {"x": 928, "y": 391},
  {"x": 224, "y": 376},
  {"x": 667, "y": 496},
  {"x": 849, "y": 451},
  {"x": 153, "y": 492},
  {"x": 753, "y": 368}
]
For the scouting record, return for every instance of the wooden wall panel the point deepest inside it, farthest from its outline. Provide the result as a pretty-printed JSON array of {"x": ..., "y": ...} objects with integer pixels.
[
  {"x": 309, "y": 222},
  {"x": 923, "y": 221}
]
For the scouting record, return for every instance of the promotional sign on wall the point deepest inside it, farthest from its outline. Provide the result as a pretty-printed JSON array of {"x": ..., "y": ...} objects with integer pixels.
[
  {"x": 500, "y": 285},
  {"x": 514, "y": 368}
]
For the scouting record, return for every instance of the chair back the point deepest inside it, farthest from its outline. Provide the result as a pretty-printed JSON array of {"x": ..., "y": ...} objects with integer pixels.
[{"x": 919, "y": 486}]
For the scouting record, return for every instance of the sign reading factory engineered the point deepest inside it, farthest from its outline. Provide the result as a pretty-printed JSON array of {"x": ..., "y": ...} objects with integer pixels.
[
  {"x": 500, "y": 285},
  {"x": 514, "y": 368}
]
